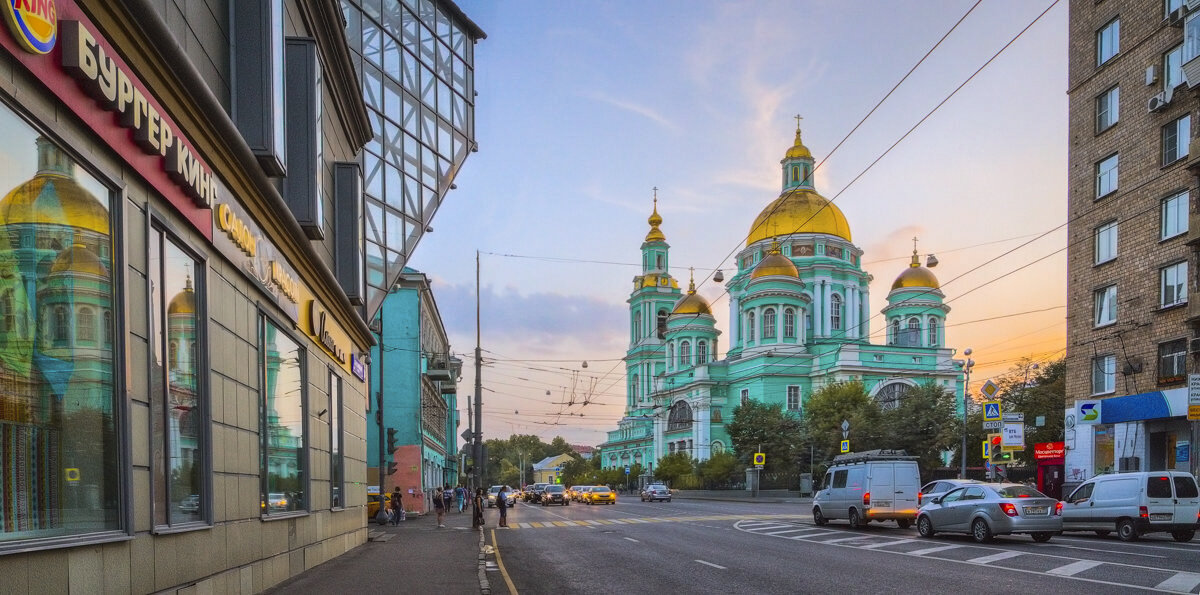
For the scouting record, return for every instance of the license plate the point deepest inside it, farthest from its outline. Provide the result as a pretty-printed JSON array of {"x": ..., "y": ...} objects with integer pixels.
[
  {"x": 1160, "y": 516},
  {"x": 1031, "y": 510},
  {"x": 883, "y": 503}
]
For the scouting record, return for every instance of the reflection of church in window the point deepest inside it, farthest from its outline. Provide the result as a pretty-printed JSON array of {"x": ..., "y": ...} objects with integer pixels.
[
  {"x": 57, "y": 439},
  {"x": 181, "y": 375}
]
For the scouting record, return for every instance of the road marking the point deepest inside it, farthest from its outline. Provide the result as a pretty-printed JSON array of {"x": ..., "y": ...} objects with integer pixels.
[
  {"x": 523, "y": 525},
  {"x": 592, "y": 522},
  {"x": 717, "y": 566},
  {"x": 1074, "y": 568},
  {"x": 1184, "y": 582},
  {"x": 632, "y": 539},
  {"x": 931, "y": 550},
  {"x": 994, "y": 557},
  {"x": 536, "y": 525},
  {"x": 887, "y": 543},
  {"x": 855, "y": 538},
  {"x": 770, "y": 527},
  {"x": 823, "y": 533},
  {"x": 786, "y": 531},
  {"x": 512, "y": 589},
  {"x": 560, "y": 524}
]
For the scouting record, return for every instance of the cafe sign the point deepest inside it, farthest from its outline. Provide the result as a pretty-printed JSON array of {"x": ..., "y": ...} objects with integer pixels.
[
  {"x": 1049, "y": 450},
  {"x": 320, "y": 326},
  {"x": 245, "y": 245}
]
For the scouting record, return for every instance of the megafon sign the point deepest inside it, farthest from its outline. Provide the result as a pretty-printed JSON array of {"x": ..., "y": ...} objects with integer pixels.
[{"x": 34, "y": 23}]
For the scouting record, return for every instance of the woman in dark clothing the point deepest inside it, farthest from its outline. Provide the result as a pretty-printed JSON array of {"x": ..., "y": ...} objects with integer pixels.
[
  {"x": 502, "y": 505},
  {"x": 477, "y": 509}
]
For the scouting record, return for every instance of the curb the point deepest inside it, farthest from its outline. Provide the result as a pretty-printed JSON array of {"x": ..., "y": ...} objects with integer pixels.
[{"x": 485, "y": 587}]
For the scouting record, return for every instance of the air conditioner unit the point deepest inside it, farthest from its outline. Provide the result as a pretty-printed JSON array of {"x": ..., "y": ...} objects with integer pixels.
[
  {"x": 1157, "y": 103},
  {"x": 1125, "y": 464},
  {"x": 1176, "y": 17}
]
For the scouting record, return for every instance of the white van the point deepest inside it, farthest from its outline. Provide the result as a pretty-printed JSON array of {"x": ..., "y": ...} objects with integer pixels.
[
  {"x": 1133, "y": 504},
  {"x": 874, "y": 485}
]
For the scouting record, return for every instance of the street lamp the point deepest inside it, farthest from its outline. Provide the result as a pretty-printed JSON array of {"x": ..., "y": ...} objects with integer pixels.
[{"x": 967, "y": 365}]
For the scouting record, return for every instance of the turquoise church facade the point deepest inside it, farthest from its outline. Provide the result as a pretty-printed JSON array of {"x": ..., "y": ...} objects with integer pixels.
[{"x": 800, "y": 319}]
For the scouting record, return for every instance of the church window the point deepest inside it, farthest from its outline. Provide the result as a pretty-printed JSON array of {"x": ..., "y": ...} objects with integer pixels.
[
  {"x": 789, "y": 323},
  {"x": 9, "y": 317},
  {"x": 86, "y": 326},
  {"x": 895, "y": 331},
  {"x": 662, "y": 324},
  {"x": 60, "y": 323},
  {"x": 933, "y": 332},
  {"x": 671, "y": 353},
  {"x": 745, "y": 396},
  {"x": 659, "y": 261},
  {"x": 793, "y": 398},
  {"x": 176, "y": 392},
  {"x": 685, "y": 354},
  {"x": 108, "y": 327},
  {"x": 680, "y": 417},
  {"x": 835, "y": 312},
  {"x": 768, "y": 321},
  {"x": 701, "y": 352},
  {"x": 889, "y": 396},
  {"x": 912, "y": 335},
  {"x": 633, "y": 388},
  {"x": 795, "y": 173},
  {"x": 750, "y": 326},
  {"x": 808, "y": 324},
  {"x": 717, "y": 447}
]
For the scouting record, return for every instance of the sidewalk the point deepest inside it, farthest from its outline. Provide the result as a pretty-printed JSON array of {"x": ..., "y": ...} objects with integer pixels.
[
  {"x": 412, "y": 557},
  {"x": 764, "y": 496}
]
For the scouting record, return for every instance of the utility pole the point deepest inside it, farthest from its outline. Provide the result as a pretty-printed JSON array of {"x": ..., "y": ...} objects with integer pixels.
[
  {"x": 478, "y": 450},
  {"x": 379, "y": 409}
]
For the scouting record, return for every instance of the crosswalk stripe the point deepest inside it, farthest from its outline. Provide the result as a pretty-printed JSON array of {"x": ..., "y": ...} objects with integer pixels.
[
  {"x": 1074, "y": 568},
  {"x": 591, "y": 522},
  {"x": 810, "y": 535},
  {"x": 931, "y": 550},
  {"x": 559, "y": 523},
  {"x": 994, "y": 557},
  {"x": 1183, "y": 581},
  {"x": 537, "y": 525},
  {"x": 887, "y": 543},
  {"x": 844, "y": 539}
]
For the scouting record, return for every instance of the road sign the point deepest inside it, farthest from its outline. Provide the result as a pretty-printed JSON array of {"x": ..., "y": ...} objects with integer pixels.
[
  {"x": 1014, "y": 417},
  {"x": 989, "y": 389},
  {"x": 72, "y": 474},
  {"x": 992, "y": 411},
  {"x": 987, "y": 451},
  {"x": 1194, "y": 397},
  {"x": 992, "y": 425},
  {"x": 466, "y": 435},
  {"x": 845, "y": 446},
  {"x": 1013, "y": 436},
  {"x": 626, "y": 469},
  {"x": 760, "y": 459}
]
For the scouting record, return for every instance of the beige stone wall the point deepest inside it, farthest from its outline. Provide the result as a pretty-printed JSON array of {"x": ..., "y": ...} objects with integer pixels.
[{"x": 1143, "y": 183}]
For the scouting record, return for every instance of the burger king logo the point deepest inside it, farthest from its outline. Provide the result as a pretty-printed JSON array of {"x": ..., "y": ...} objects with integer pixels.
[{"x": 34, "y": 23}]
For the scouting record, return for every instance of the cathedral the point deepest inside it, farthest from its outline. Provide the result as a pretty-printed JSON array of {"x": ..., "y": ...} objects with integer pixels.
[{"x": 799, "y": 311}]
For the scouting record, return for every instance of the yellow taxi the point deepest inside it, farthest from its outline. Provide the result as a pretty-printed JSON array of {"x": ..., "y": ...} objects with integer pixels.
[
  {"x": 601, "y": 495},
  {"x": 571, "y": 492},
  {"x": 373, "y": 500}
]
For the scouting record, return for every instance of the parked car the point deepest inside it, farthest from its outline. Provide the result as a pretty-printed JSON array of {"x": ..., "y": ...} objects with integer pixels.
[
  {"x": 1133, "y": 504},
  {"x": 531, "y": 495},
  {"x": 656, "y": 491},
  {"x": 601, "y": 495},
  {"x": 985, "y": 510},
  {"x": 846, "y": 493},
  {"x": 373, "y": 502},
  {"x": 941, "y": 487},
  {"x": 554, "y": 494},
  {"x": 510, "y": 498}
]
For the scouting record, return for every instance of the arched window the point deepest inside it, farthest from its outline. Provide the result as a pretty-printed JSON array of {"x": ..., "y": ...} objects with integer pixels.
[
  {"x": 701, "y": 352},
  {"x": 749, "y": 326},
  {"x": 789, "y": 323},
  {"x": 680, "y": 417},
  {"x": 659, "y": 260},
  {"x": 933, "y": 332},
  {"x": 768, "y": 323},
  {"x": 108, "y": 327},
  {"x": 60, "y": 323},
  {"x": 87, "y": 325},
  {"x": 795, "y": 173},
  {"x": 173, "y": 355},
  {"x": 717, "y": 447},
  {"x": 671, "y": 353},
  {"x": 895, "y": 331},
  {"x": 835, "y": 312},
  {"x": 662, "y": 324},
  {"x": 685, "y": 354},
  {"x": 633, "y": 388},
  {"x": 912, "y": 336},
  {"x": 889, "y": 396}
]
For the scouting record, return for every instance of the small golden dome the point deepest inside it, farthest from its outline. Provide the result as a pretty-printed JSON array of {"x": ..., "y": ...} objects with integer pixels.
[
  {"x": 184, "y": 302},
  {"x": 916, "y": 276},
  {"x": 656, "y": 234},
  {"x": 53, "y": 197},
  {"x": 692, "y": 303},
  {"x": 653, "y": 280},
  {"x": 775, "y": 264},
  {"x": 78, "y": 259},
  {"x": 799, "y": 211},
  {"x": 798, "y": 150}
]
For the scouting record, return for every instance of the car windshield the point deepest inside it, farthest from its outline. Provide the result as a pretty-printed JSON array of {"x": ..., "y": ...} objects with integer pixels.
[
  {"x": 1019, "y": 492},
  {"x": 554, "y": 489},
  {"x": 600, "y": 490},
  {"x": 494, "y": 489}
]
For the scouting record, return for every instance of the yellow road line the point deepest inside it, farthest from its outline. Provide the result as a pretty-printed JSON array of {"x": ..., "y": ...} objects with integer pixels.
[
  {"x": 500, "y": 563},
  {"x": 559, "y": 524},
  {"x": 536, "y": 525}
]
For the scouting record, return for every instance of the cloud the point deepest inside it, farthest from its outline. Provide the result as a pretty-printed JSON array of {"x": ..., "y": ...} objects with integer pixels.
[
  {"x": 634, "y": 108},
  {"x": 895, "y": 244}
]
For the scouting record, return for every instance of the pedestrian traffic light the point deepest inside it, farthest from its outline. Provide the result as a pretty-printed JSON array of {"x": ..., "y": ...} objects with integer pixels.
[
  {"x": 391, "y": 439},
  {"x": 391, "y": 467}
]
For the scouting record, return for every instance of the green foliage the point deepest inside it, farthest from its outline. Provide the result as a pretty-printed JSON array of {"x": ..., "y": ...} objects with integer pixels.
[
  {"x": 843, "y": 401},
  {"x": 579, "y": 471},
  {"x": 780, "y": 435},
  {"x": 719, "y": 468},
  {"x": 1040, "y": 392},
  {"x": 508, "y": 474},
  {"x": 517, "y": 447},
  {"x": 672, "y": 466},
  {"x": 925, "y": 424}
]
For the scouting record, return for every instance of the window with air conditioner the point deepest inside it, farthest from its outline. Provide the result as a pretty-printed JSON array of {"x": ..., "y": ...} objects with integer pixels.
[
  {"x": 1104, "y": 306},
  {"x": 1173, "y": 68},
  {"x": 1175, "y": 138},
  {"x": 1174, "y": 218},
  {"x": 1104, "y": 374},
  {"x": 1108, "y": 41},
  {"x": 1173, "y": 285},
  {"x": 1108, "y": 109},
  {"x": 1105, "y": 246},
  {"x": 1172, "y": 361},
  {"x": 1106, "y": 176}
]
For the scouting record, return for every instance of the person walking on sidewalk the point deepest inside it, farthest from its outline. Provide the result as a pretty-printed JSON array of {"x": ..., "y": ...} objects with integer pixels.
[
  {"x": 439, "y": 506},
  {"x": 477, "y": 509},
  {"x": 397, "y": 506},
  {"x": 502, "y": 506},
  {"x": 460, "y": 497}
]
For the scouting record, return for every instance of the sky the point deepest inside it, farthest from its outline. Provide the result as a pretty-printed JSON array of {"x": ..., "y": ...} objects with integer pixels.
[{"x": 584, "y": 108}]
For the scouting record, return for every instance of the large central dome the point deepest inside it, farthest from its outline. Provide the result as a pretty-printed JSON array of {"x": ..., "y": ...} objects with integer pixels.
[{"x": 799, "y": 211}]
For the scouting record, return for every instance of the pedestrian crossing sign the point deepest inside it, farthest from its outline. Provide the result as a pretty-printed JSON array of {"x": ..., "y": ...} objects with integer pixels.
[
  {"x": 845, "y": 446},
  {"x": 992, "y": 411}
]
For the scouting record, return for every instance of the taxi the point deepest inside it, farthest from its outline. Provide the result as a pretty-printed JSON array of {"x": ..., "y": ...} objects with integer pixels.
[
  {"x": 373, "y": 500},
  {"x": 601, "y": 495}
]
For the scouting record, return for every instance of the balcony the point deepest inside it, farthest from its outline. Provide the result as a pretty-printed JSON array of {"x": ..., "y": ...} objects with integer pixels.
[{"x": 438, "y": 370}]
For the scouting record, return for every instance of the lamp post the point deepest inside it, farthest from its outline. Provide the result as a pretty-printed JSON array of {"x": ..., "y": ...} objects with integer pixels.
[{"x": 967, "y": 365}]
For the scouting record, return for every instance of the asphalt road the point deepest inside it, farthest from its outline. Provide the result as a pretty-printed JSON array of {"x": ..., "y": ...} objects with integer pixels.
[{"x": 691, "y": 546}]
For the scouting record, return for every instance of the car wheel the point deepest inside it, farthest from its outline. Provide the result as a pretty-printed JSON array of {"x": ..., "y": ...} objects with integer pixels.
[
  {"x": 1126, "y": 531},
  {"x": 1183, "y": 535},
  {"x": 1103, "y": 533},
  {"x": 855, "y": 519},
  {"x": 818, "y": 518},
  {"x": 925, "y": 527},
  {"x": 981, "y": 531},
  {"x": 1042, "y": 536},
  {"x": 904, "y": 523}
]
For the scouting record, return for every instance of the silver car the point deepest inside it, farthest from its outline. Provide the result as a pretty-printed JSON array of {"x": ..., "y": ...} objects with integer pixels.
[
  {"x": 941, "y": 487},
  {"x": 985, "y": 510},
  {"x": 656, "y": 491}
]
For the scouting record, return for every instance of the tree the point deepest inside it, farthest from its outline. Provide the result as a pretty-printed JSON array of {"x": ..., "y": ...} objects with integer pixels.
[
  {"x": 578, "y": 471},
  {"x": 672, "y": 467},
  {"x": 827, "y": 408},
  {"x": 559, "y": 446},
  {"x": 508, "y": 474},
  {"x": 760, "y": 425},
  {"x": 719, "y": 468},
  {"x": 1035, "y": 393},
  {"x": 924, "y": 424}
]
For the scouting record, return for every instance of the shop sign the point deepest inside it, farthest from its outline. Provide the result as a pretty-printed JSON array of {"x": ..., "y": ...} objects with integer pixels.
[
  {"x": 1193, "y": 397},
  {"x": 34, "y": 23},
  {"x": 357, "y": 367},
  {"x": 319, "y": 325},
  {"x": 1087, "y": 412},
  {"x": 1049, "y": 450},
  {"x": 1183, "y": 451},
  {"x": 246, "y": 246}
]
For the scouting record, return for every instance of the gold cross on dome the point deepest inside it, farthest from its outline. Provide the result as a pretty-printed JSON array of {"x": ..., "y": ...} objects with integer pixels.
[{"x": 798, "y": 118}]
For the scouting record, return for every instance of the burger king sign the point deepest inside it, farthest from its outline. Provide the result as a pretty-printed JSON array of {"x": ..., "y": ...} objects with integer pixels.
[{"x": 34, "y": 23}]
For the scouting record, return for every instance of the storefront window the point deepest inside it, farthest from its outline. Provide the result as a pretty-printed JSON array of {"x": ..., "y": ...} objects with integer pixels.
[
  {"x": 59, "y": 453},
  {"x": 1103, "y": 460},
  {"x": 338, "y": 472},
  {"x": 178, "y": 409},
  {"x": 285, "y": 477}
]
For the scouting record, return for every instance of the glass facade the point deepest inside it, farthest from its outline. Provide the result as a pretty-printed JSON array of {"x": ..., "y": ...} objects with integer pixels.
[
  {"x": 59, "y": 448},
  {"x": 285, "y": 477},
  {"x": 416, "y": 63}
]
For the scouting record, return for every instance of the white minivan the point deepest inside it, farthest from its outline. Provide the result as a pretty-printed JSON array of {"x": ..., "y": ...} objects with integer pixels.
[
  {"x": 1133, "y": 504},
  {"x": 875, "y": 485}
]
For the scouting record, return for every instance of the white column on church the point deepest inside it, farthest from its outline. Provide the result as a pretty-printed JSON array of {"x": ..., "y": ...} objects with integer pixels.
[
  {"x": 864, "y": 312},
  {"x": 735, "y": 337},
  {"x": 702, "y": 431},
  {"x": 826, "y": 296},
  {"x": 658, "y": 437}
]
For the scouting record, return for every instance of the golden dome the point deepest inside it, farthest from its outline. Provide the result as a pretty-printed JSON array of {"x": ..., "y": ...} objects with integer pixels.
[
  {"x": 53, "y": 196},
  {"x": 184, "y": 302},
  {"x": 799, "y": 211},
  {"x": 916, "y": 276},
  {"x": 692, "y": 303},
  {"x": 775, "y": 264},
  {"x": 798, "y": 150},
  {"x": 653, "y": 280},
  {"x": 656, "y": 234},
  {"x": 78, "y": 259}
]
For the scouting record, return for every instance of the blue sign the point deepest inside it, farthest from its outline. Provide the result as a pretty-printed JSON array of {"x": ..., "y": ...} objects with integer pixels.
[
  {"x": 356, "y": 366},
  {"x": 991, "y": 411},
  {"x": 1181, "y": 452},
  {"x": 626, "y": 469}
]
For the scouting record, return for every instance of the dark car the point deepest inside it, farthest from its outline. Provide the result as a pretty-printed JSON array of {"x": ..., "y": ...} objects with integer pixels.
[
  {"x": 554, "y": 494},
  {"x": 539, "y": 489},
  {"x": 531, "y": 491}
]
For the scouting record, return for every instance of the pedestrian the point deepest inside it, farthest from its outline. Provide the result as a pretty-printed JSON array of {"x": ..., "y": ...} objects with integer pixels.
[
  {"x": 460, "y": 496},
  {"x": 502, "y": 506},
  {"x": 397, "y": 508},
  {"x": 477, "y": 509},
  {"x": 439, "y": 506}
]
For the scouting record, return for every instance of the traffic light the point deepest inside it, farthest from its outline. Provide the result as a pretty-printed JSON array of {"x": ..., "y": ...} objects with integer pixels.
[
  {"x": 391, "y": 439},
  {"x": 998, "y": 454},
  {"x": 391, "y": 468}
]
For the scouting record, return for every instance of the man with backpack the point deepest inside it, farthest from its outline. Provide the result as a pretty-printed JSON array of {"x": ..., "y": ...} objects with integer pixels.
[{"x": 441, "y": 500}]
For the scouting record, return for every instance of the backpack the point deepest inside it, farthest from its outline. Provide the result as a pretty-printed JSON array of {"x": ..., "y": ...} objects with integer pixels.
[{"x": 448, "y": 496}]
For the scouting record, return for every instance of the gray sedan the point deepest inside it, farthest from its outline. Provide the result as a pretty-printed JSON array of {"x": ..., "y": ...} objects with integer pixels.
[{"x": 985, "y": 510}]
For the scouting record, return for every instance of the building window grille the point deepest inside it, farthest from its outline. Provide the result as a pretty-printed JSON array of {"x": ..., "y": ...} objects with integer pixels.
[
  {"x": 835, "y": 312},
  {"x": 793, "y": 398},
  {"x": 789, "y": 323}
]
